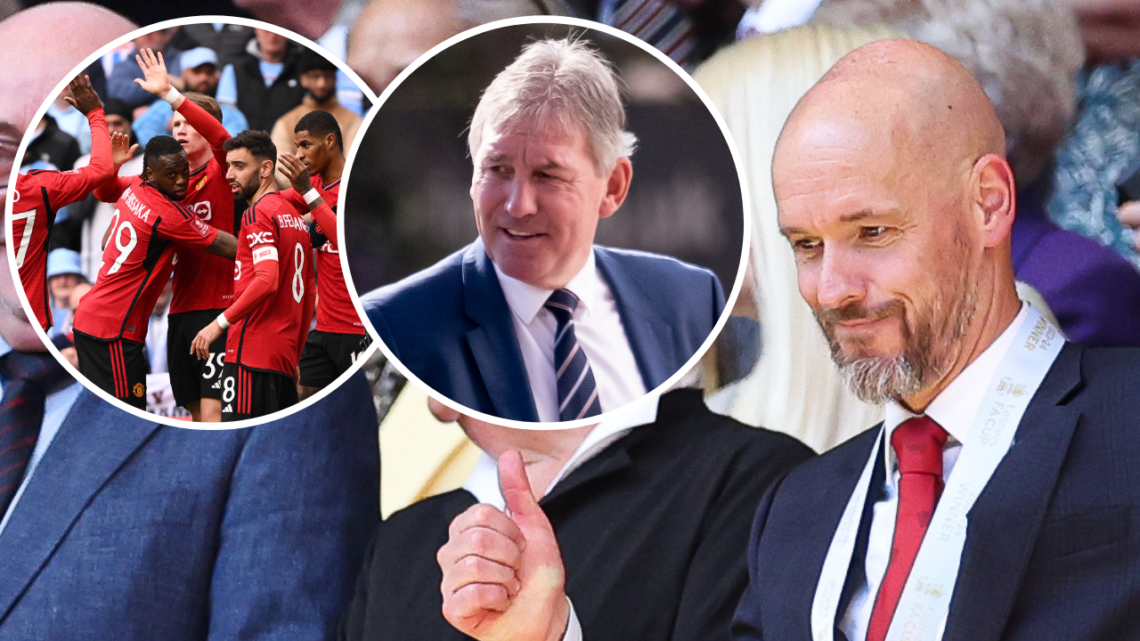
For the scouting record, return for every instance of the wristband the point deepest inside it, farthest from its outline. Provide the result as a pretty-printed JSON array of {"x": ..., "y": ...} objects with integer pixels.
[
  {"x": 171, "y": 96},
  {"x": 311, "y": 195},
  {"x": 222, "y": 322}
]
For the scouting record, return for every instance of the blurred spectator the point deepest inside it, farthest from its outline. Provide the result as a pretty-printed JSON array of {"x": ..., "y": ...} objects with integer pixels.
[
  {"x": 688, "y": 31},
  {"x": 121, "y": 83},
  {"x": 52, "y": 146},
  {"x": 318, "y": 77},
  {"x": 71, "y": 121},
  {"x": 310, "y": 19},
  {"x": 263, "y": 83},
  {"x": 64, "y": 273},
  {"x": 228, "y": 41},
  {"x": 1026, "y": 54},
  {"x": 390, "y": 34},
  {"x": 199, "y": 73}
]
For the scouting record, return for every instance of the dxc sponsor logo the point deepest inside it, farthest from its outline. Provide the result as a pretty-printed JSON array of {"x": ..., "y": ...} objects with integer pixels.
[{"x": 258, "y": 237}]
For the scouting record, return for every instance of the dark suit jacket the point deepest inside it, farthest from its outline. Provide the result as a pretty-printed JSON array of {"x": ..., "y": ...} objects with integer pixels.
[
  {"x": 1053, "y": 542},
  {"x": 652, "y": 531},
  {"x": 451, "y": 326},
  {"x": 129, "y": 530}
]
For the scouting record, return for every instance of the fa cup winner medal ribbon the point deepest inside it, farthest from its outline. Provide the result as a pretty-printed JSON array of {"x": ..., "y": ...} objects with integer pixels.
[{"x": 925, "y": 601}]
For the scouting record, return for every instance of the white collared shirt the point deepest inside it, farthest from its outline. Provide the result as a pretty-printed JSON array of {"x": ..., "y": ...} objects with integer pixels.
[
  {"x": 953, "y": 409},
  {"x": 598, "y": 328},
  {"x": 483, "y": 482}
]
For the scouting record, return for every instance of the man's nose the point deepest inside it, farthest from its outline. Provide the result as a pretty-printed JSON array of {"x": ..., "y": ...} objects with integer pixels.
[
  {"x": 521, "y": 201},
  {"x": 839, "y": 281}
]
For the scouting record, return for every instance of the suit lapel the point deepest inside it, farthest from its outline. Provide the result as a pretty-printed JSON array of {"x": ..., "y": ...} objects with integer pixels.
[
  {"x": 650, "y": 337},
  {"x": 94, "y": 441},
  {"x": 493, "y": 343},
  {"x": 1004, "y": 523}
]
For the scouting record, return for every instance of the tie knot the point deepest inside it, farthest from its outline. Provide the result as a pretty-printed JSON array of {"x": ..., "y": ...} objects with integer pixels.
[
  {"x": 918, "y": 445},
  {"x": 562, "y": 303},
  {"x": 38, "y": 369}
]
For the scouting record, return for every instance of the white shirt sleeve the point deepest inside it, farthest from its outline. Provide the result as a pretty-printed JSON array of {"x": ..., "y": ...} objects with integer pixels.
[{"x": 573, "y": 627}]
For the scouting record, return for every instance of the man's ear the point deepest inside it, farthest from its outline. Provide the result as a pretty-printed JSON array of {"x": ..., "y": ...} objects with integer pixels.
[
  {"x": 330, "y": 142},
  {"x": 266, "y": 169},
  {"x": 994, "y": 198},
  {"x": 617, "y": 187}
]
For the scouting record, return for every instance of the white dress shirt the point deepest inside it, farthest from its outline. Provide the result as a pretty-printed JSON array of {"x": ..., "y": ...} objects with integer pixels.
[
  {"x": 483, "y": 481},
  {"x": 56, "y": 407},
  {"x": 954, "y": 411},
  {"x": 597, "y": 327}
]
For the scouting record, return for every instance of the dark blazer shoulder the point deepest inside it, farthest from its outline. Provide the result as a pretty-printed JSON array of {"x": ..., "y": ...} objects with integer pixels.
[{"x": 657, "y": 274}]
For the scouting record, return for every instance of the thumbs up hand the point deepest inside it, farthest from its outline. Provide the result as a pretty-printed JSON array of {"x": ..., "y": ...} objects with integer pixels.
[{"x": 503, "y": 578}]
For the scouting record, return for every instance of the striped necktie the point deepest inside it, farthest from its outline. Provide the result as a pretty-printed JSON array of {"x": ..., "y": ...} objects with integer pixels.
[
  {"x": 658, "y": 22},
  {"x": 577, "y": 391},
  {"x": 28, "y": 379}
]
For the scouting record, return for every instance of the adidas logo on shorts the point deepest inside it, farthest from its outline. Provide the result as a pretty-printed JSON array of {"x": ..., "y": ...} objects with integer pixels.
[
  {"x": 228, "y": 408},
  {"x": 217, "y": 384}
]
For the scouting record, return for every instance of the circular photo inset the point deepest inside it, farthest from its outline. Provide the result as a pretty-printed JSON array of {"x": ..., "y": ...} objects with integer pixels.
[
  {"x": 545, "y": 219},
  {"x": 160, "y": 222}
]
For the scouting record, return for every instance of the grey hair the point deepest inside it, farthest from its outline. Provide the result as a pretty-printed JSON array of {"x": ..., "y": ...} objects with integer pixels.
[
  {"x": 562, "y": 83},
  {"x": 1024, "y": 53}
]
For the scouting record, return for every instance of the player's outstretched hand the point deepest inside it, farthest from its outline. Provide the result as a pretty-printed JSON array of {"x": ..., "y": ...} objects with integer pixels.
[
  {"x": 503, "y": 578},
  {"x": 156, "y": 80},
  {"x": 293, "y": 169},
  {"x": 200, "y": 347},
  {"x": 83, "y": 96},
  {"x": 121, "y": 149}
]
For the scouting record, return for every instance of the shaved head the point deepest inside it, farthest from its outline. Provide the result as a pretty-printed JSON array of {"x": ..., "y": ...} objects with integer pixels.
[
  {"x": 893, "y": 188},
  {"x": 912, "y": 99},
  {"x": 53, "y": 38}
]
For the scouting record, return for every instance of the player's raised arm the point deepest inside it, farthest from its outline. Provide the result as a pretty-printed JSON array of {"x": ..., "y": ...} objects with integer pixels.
[
  {"x": 84, "y": 98},
  {"x": 298, "y": 175},
  {"x": 155, "y": 79}
]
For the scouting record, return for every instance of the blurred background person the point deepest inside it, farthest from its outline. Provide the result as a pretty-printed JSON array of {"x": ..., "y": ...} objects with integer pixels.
[
  {"x": 390, "y": 34},
  {"x": 265, "y": 82},
  {"x": 64, "y": 274}
]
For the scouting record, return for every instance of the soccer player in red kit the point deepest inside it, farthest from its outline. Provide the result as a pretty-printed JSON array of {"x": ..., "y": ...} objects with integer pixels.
[
  {"x": 339, "y": 337},
  {"x": 40, "y": 194},
  {"x": 203, "y": 284},
  {"x": 275, "y": 293},
  {"x": 112, "y": 318}
]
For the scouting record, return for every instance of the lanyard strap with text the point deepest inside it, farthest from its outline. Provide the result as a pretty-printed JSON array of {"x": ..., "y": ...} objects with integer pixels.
[{"x": 925, "y": 600}]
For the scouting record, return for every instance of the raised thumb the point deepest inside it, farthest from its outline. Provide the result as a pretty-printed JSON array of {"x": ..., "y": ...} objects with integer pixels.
[{"x": 515, "y": 486}]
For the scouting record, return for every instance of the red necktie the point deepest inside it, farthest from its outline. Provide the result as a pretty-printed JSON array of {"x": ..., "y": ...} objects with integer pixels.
[{"x": 918, "y": 445}]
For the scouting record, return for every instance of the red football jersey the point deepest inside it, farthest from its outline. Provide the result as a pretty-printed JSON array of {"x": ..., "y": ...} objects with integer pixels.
[
  {"x": 137, "y": 262},
  {"x": 335, "y": 311},
  {"x": 270, "y": 337},
  {"x": 37, "y": 197},
  {"x": 201, "y": 280}
]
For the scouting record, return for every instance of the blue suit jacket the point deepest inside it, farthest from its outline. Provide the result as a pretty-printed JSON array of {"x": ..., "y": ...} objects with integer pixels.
[
  {"x": 1053, "y": 541},
  {"x": 129, "y": 530},
  {"x": 450, "y": 324}
]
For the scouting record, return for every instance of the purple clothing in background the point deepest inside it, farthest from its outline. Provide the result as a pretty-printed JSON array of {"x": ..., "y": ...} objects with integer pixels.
[{"x": 1092, "y": 290}]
